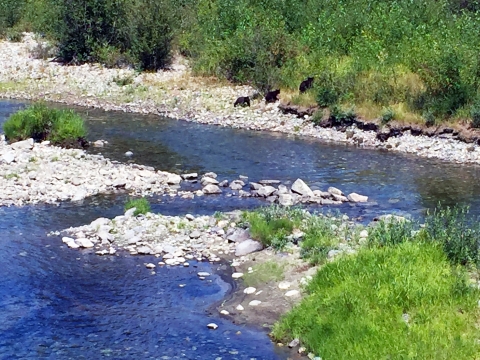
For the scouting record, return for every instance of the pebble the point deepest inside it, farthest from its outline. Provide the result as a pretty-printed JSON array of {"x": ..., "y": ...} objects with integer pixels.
[
  {"x": 284, "y": 285},
  {"x": 237, "y": 275},
  {"x": 224, "y": 312},
  {"x": 203, "y": 274},
  {"x": 212, "y": 326},
  {"x": 249, "y": 290},
  {"x": 150, "y": 266},
  {"x": 240, "y": 308},
  {"x": 254, "y": 303}
]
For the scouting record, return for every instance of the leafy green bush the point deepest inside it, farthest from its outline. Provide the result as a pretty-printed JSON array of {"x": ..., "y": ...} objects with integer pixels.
[
  {"x": 387, "y": 115},
  {"x": 475, "y": 115},
  {"x": 42, "y": 123},
  {"x": 405, "y": 301},
  {"x": 142, "y": 206},
  {"x": 456, "y": 232},
  {"x": 10, "y": 13},
  {"x": 139, "y": 31},
  {"x": 339, "y": 116}
]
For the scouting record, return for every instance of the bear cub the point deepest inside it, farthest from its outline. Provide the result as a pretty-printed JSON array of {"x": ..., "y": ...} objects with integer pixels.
[
  {"x": 306, "y": 84},
  {"x": 242, "y": 101},
  {"x": 272, "y": 96}
]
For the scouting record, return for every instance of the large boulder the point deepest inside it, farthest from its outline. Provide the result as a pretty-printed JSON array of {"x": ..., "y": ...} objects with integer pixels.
[
  {"x": 285, "y": 199},
  {"x": 334, "y": 191},
  {"x": 301, "y": 188},
  {"x": 174, "y": 179},
  {"x": 247, "y": 247},
  {"x": 239, "y": 235},
  {"x": 266, "y": 191},
  {"x": 206, "y": 180}
]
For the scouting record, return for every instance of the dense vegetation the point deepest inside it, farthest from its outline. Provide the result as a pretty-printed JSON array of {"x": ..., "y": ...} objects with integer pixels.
[
  {"x": 400, "y": 59},
  {"x": 60, "y": 127},
  {"x": 404, "y": 293}
]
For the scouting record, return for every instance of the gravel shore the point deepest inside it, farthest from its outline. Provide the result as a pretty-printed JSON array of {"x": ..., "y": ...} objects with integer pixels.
[{"x": 176, "y": 93}]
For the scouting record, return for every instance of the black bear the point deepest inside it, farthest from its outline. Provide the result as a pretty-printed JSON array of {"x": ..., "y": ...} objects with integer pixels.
[
  {"x": 272, "y": 96},
  {"x": 306, "y": 84},
  {"x": 242, "y": 101}
]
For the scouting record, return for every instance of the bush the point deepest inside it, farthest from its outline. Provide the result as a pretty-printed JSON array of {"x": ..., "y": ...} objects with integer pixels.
[
  {"x": 142, "y": 206},
  {"x": 456, "y": 232},
  {"x": 321, "y": 236},
  {"x": 387, "y": 115},
  {"x": 139, "y": 31},
  {"x": 61, "y": 127},
  {"x": 405, "y": 301},
  {"x": 341, "y": 117},
  {"x": 475, "y": 115}
]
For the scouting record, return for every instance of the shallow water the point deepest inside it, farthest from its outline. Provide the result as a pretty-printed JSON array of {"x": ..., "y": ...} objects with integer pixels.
[{"x": 60, "y": 303}]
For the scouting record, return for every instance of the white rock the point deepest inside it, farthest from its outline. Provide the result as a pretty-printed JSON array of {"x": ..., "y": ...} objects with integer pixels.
[
  {"x": 335, "y": 191},
  {"x": 240, "y": 308},
  {"x": 363, "y": 234},
  {"x": 248, "y": 246},
  {"x": 129, "y": 153},
  {"x": 174, "y": 179},
  {"x": 224, "y": 312},
  {"x": 212, "y": 326},
  {"x": 211, "y": 189},
  {"x": 237, "y": 275},
  {"x": 285, "y": 199},
  {"x": 249, "y": 290},
  {"x": 301, "y": 188},
  {"x": 284, "y": 285},
  {"x": 8, "y": 157},
  {"x": 150, "y": 266},
  {"x": 203, "y": 274},
  {"x": 292, "y": 293},
  {"x": 254, "y": 303},
  {"x": 84, "y": 242},
  {"x": 354, "y": 197}
]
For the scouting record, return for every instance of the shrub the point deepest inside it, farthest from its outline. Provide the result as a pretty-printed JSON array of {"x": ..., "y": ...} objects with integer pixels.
[
  {"x": 405, "y": 301},
  {"x": 142, "y": 206},
  {"x": 14, "y": 35},
  {"x": 340, "y": 117},
  {"x": 317, "y": 117},
  {"x": 42, "y": 123},
  {"x": 429, "y": 118},
  {"x": 456, "y": 232},
  {"x": 387, "y": 115},
  {"x": 475, "y": 115}
]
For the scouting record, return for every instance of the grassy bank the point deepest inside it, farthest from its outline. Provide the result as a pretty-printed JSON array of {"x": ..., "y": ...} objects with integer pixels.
[
  {"x": 403, "y": 290},
  {"x": 392, "y": 60}
]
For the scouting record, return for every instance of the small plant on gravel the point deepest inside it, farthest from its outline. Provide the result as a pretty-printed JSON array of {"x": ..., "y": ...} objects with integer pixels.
[
  {"x": 264, "y": 273},
  {"x": 142, "y": 206},
  {"x": 384, "y": 302},
  {"x": 123, "y": 80},
  {"x": 11, "y": 176},
  {"x": 272, "y": 225},
  {"x": 317, "y": 117},
  {"x": 60, "y": 127},
  {"x": 33, "y": 159},
  {"x": 55, "y": 158}
]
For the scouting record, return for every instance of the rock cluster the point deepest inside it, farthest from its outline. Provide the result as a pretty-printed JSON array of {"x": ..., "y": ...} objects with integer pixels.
[
  {"x": 177, "y": 239},
  {"x": 178, "y": 94},
  {"x": 38, "y": 172}
]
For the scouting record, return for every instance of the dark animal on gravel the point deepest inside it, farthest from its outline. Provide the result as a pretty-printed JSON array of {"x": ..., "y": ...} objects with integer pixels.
[
  {"x": 272, "y": 96},
  {"x": 306, "y": 84},
  {"x": 242, "y": 101}
]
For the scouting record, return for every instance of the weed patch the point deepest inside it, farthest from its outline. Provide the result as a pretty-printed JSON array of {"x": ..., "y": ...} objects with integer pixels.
[
  {"x": 264, "y": 273},
  {"x": 142, "y": 206}
]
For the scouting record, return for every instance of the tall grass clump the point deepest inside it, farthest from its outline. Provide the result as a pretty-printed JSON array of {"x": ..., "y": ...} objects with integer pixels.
[
  {"x": 61, "y": 127},
  {"x": 142, "y": 206},
  {"x": 457, "y": 233},
  {"x": 392, "y": 231},
  {"x": 322, "y": 234},
  {"x": 273, "y": 225},
  {"x": 403, "y": 301}
]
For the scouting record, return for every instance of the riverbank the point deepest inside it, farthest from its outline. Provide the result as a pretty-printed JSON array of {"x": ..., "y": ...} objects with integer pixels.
[{"x": 178, "y": 94}]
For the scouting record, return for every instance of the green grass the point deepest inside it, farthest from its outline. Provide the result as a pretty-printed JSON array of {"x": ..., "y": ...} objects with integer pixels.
[
  {"x": 322, "y": 234},
  {"x": 142, "y": 206},
  {"x": 42, "y": 123},
  {"x": 357, "y": 306},
  {"x": 264, "y": 273},
  {"x": 272, "y": 225}
]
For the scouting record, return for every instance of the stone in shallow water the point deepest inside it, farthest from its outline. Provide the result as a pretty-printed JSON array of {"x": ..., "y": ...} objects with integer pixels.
[
  {"x": 354, "y": 197},
  {"x": 211, "y": 189},
  {"x": 203, "y": 274},
  {"x": 84, "y": 242},
  {"x": 212, "y": 326},
  {"x": 150, "y": 266},
  {"x": 301, "y": 188}
]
